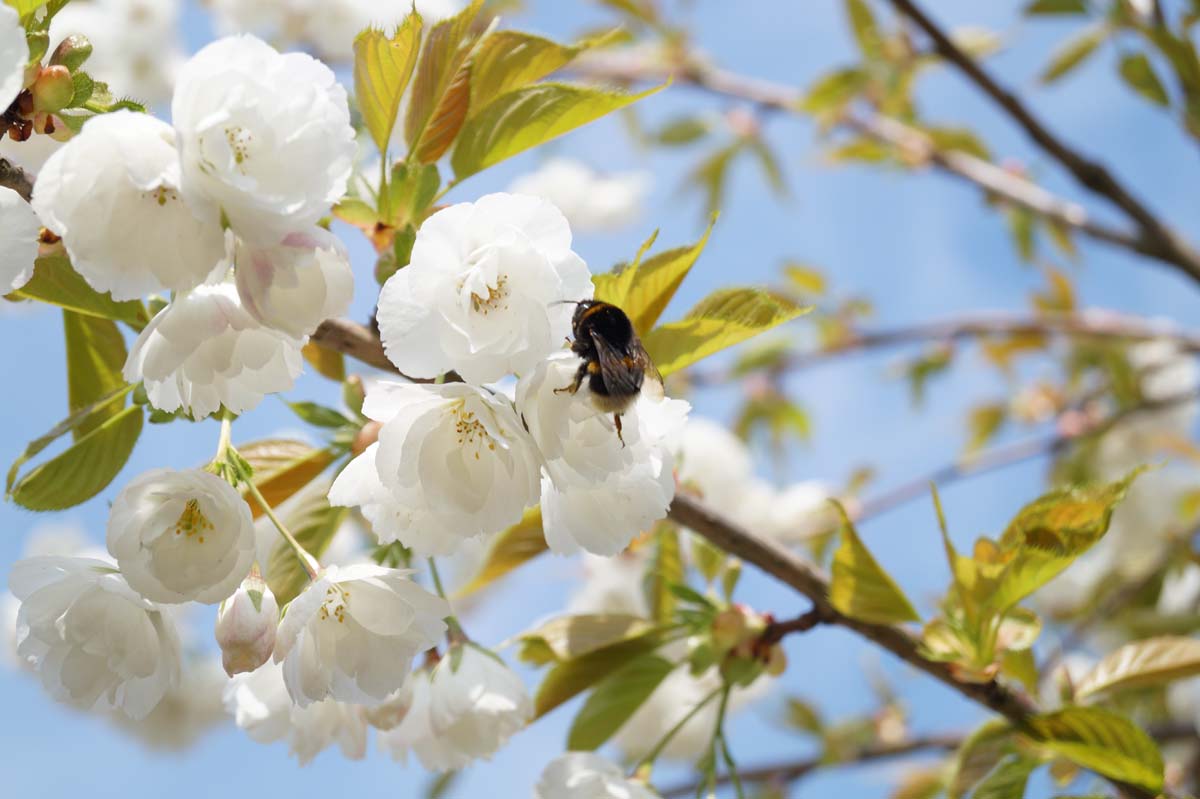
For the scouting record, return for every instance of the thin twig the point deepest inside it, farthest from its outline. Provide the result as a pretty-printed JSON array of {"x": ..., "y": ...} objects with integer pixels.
[
  {"x": 1158, "y": 239},
  {"x": 15, "y": 178}
]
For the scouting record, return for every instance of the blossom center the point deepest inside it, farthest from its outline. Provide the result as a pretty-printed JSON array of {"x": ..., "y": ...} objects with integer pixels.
[
  {"x": 193, "y": 522},
  {"x": 470, "y": 431},
  {"x": 163, "y": 194},
  {"x": 496, "y": 299},
  {"x": 337, "y": 599},
  {"x": 239, "y": 140}
]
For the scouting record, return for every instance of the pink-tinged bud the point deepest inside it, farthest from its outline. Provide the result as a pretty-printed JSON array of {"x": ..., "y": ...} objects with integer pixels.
[
  {"x": 53, "y": 90},
  {"x": 72, "y": 52},
  {"x": 776, "y": 661},
  {"x": 246, "y": 624}
]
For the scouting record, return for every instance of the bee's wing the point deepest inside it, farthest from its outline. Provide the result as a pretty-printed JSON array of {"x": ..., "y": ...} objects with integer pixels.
[
  {"x": 653, "y": 385},
  {"x": 622, "y": 373}
]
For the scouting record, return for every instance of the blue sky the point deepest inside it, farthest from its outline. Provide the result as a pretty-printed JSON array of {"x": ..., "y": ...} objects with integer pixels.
[{"x": 920, "y": 246}]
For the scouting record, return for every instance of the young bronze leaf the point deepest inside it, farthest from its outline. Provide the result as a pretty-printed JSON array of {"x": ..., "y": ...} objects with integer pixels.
[
  {"x": 522, "y": 542},
  {"x": 382, "y": 69},
  {"x": 282, "y": 467},
  {"x": 446, "y": 50},
  {"x": 725, "y": 318},
  {"x": 861, "y": 589},
  {"x": 524, "y": 118},
  {"x": 1150, "y": 662},
  {"x": 1103, "y": 741},
  {"x": 616, "y": 699}
]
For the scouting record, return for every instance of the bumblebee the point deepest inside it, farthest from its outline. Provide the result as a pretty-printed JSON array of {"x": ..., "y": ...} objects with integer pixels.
[{"x": 615, "y": 363}]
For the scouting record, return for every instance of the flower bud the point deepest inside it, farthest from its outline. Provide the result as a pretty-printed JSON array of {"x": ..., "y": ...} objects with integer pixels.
[
  {"x": 246, "y": 625},
  {"x": 72, "y": 52},
  {"x": 776, "y": 661},
  {"x": 728, "y": 628},
  {"x": 53, "y": 89}
]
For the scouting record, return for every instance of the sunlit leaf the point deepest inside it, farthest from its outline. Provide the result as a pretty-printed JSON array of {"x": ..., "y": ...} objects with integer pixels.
[
  {"x": 1150, "y": 662},
  {"x": 508, "y": 59},
  {"x": 526, "y": 117},
  {"x": 572, "y": 677},
  {"x": 1102, "y": 741},
  {"x": 644, "y": 288},
  {"x": 614, "y": 700},
  {"x": 1056, "y": 7},
  {"x": 95, "y": 358},
  {"x": 314, "y": 522},
  {"x": 1008, "y": 779},
  {"x": 84, "y": 469},
  {"x": 860, "y": 588},
  {"x": 324, "y": 361},
  {"x": 518, "y": 544},
  {"x": 866, "y": 30},
  {"x": 440, "y": 93},
  {"x": 567, "y": 637},
  {"x": 724, "y": 318},
  {"x": 981, "y": 752},
  {"x": 1139, "y": 73},
  {"x": 833, "y": 91},
  {"x": 1074, "y": 52},
  {"x": 665, "y": 570},
  {"x": 57, "y": 283},
  {"x": 383, "y": 66},
  {"x": 282, "y": 467}
]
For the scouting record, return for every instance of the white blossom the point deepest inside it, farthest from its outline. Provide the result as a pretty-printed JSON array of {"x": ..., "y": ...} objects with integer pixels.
[
  {"x": 186, "y": 712},
  {"x": 715, "y": 464},
  {"x": 112, "y": 194},
  {"x": 452, "y": 462},
  {"x": 297, "y": 283},
  {"x": 137, "y": 49},
  {"x": 1180, "y": 591},
  {"x": 792, "y": 515},
  {"x": 31, "y": 154},
  {"x": 597, "y": 491},
  {"x": 14, "y": 55},
  {"x": 265, "y": 139},
  {"x": 93, "y": 641},
  {"x": 589, "y": 200},
  {"x": 261, "y": 706},
  {"x": 332, "y": 25},
  {"x": 19, "y": 229},
  {"x": 352, "y": 633},
  {"x": 484, "y": 292},
  {"x": 476, "y": 702},
  {"x": 204, "y": 350},
  {"x": 181, "y": 536},
  {"x": 415, "y": 733},
  {"x": 246, "y": 623},
  {"x": 587, "y": 775}
]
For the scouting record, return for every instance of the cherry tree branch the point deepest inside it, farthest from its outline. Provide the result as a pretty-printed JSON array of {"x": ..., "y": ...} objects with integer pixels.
[
  {"x": 1161, "y": 242},
  {"x": 788, "y": 771},
  {"x": 15, "y": 178},
  {"x": 1152, "y": 238}
]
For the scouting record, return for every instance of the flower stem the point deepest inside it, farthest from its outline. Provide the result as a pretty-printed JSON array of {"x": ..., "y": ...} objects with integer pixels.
[
  {"x": 720, "y": 741},
  {"x": 671, "y": 733},
  {"x": 454, "y": 631},
  {"x": 308, "y": 561},
  {"x": 223, "y": 442}
]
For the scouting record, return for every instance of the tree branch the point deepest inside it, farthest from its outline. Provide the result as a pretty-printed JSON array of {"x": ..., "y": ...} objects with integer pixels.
[
  {"x": 1152, "y": 240},
  {"x": 15, "y": 178},
  {"x": 1157, "y": 239}
]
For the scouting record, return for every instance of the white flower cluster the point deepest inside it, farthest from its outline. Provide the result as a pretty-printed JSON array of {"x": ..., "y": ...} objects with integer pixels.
[
  {"x": 589, "y": 200},
  {"x": 490, "y": 292},
  {"x": 143, "y": 206}
]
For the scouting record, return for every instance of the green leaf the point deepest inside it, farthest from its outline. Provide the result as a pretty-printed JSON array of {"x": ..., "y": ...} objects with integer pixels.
[
  {"x": 614, "y": 700},
  {"x": 1074, "y": 53},
  {"x": 667, "y": 570},
  {"x": 57, "y": 283},
  {"x": 834, "y": 91},
  {"x": 441, "y": 90},
  {"x": 1139, "y": 73},
  {"x": 319, "y": 415},
  {"x": 95, "y": 358},
  {"x": 1049, "y": 533},
  {"x": 527, "y": 117},
  {"x": 644, "y": 288},
  {"x": 1150, "y": 662},
  {"x": 803, "y": 716},
  {"x": 1007, "y": 780},
  {"x": 62, "y": 428},
  {"x": 572, "y": 677},
  {"x": 25, "y": 7},
  {"x": 82, "y": 470},
  {"x": 282, "y": 467},
  {"x": 507, "y": 60},
  {"x": 314, "y": 522},
  {"x": 1103, "y": 741},
  {"x": 568, "y": 637},
  {"x": 382, "y": 69},
  {"x": 978, "y": 755},
  {"x": 860, "y": 588},
  {"x": 520, "y": 543},
  {"x": 725, "y": 318},
  {"x": 1043, "y": 7},
  {"x": 325, "y": 361},
  {"x": 682, "y": 130},
  {"x": 866, "y": 30},
  {"x": 411, "y": 190}
]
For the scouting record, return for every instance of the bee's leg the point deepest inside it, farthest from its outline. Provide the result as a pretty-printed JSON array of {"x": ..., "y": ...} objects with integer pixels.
[
  {"x": 617, "y": 420},
  {"x": 580, "y": 373}
]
